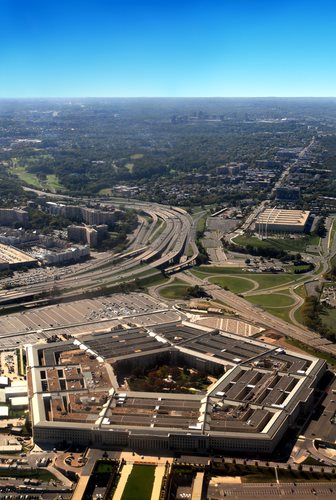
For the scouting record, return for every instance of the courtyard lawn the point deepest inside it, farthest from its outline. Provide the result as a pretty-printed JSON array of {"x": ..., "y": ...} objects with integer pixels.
[
  {"x": 234, "y": 284},
  {"x": 140, "y": 483}
]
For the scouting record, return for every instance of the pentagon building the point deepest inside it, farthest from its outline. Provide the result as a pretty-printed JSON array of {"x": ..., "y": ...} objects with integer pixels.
[{"x": 77, "y": 393}]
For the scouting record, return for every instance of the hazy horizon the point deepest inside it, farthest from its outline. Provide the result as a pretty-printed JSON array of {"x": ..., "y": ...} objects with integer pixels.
[{"x": 146, "y": 48}]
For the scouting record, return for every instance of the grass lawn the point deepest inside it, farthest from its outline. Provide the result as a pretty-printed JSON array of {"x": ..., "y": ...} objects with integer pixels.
[
  {"x": 265, "y": 280},
  {"x": 271, "y": 300},
  {"x": 234, "y": 284},
  {"x": 301, "y": 291},
  {"x": 271, "y": 280},
  {"x": 137, "y": 156},
  {"x": 288, "y": 244},
  {"x": 332, "y": 233},
  {"x": 129, "y": 167},
  {"x": 190, "y": 251},
  {"x": 154, "y": 279},
  {"x": 140, "y": 483},
  {"x": 53, "y": 183},
  {"x": 105, "y": 467},
  {"x": 328, "y": 318},
  {"x": 106, "y": 191},
  {"x": 204, "y": 271},
  {"x": 158, "y": 230},
  {"x": 280, "y": 313},
  {"x": 323, "y": 355},
  {"x": 26, "y": 177},
  {"x": 177, "y": 290},
  {"x": 201, "y": 223}
]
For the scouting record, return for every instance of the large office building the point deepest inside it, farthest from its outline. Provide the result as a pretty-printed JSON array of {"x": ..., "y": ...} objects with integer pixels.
[
  {"x": 275, "y": 220},
  {"x": 79, "y": 391},
  {"x": 87, "y": 234},
  {"x": 91, "y": 216}
]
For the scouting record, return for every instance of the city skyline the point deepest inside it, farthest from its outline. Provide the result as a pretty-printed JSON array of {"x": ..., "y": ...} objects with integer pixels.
[{"x": 167, "y": 49}]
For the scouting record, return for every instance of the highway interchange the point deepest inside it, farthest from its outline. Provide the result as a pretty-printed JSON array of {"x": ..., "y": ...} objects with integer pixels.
[{"x": 164, "y": 240}]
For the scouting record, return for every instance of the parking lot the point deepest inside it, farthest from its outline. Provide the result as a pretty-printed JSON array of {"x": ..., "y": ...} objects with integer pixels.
[
  {"x": 267, "y": 490},
  {"x": 231, "y": 325},
  {"x": 82, "y": 316},
  {"x": 81, "y": 311}
]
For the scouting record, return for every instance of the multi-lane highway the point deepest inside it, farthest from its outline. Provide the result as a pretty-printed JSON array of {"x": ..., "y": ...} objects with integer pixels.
[
  {"x": 254, "y": 313},
  {"x": 158, "y": 244},
  {"x": 162, "y": 243}
]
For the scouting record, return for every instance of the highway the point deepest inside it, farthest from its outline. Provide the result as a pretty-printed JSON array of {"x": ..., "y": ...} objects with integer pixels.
[
  {"x": 150, "y": 248},
  {"x": 254, "y": 313},
  {"x": 165, "y": 247}
]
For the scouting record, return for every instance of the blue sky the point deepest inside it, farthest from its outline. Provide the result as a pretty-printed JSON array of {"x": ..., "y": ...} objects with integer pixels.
[{"x": 167, "y": 48}]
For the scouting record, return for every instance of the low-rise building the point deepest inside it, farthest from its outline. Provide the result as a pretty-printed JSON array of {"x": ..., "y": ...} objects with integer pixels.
[{"x": 66, "y": 256}]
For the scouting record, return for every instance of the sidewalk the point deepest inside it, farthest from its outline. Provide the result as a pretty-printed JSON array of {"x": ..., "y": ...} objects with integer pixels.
[
  {"x": 60, "y": 476},
  {"x": 159, "y": 473},
  {"x": 125, "y": 472}
]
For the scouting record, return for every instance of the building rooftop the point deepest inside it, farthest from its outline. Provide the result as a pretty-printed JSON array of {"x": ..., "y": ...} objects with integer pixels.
[
  {"x": 276, "y": 216},
  {"x": 12, "y": 255},
  {"x": 254, "y": 386}
]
